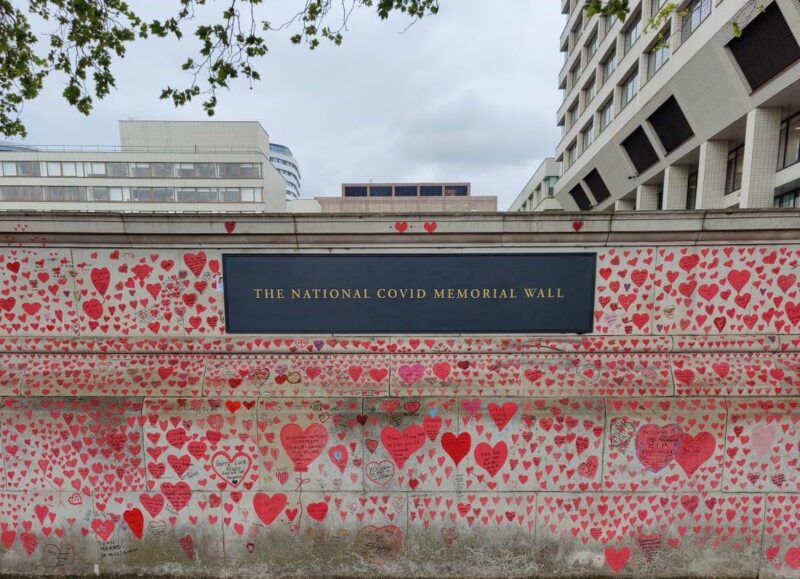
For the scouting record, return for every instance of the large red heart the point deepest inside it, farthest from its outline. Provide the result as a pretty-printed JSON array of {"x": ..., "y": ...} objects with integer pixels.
[
  {"x": 456, "y": 446},
  {"x": 135, "y": 521},
  {"x": 491, "y": 458},
  {"x": 617, "y": 558},
  {"x": 656, "y": 445},
  {"x": 268, "y": 508},
  {"x": 304, "y": 446},
  {"x": 694, "y": 451},
  {"x": 401, "y": 445}
]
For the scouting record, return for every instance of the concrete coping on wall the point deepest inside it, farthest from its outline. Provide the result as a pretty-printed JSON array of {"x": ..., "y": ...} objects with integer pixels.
[{"x": 440, "y": 230}]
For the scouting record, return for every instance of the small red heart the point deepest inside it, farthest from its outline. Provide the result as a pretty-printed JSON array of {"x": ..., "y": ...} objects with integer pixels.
[
  {"x": 401, "y": 226},
  {"x": 230, "y": 226},
  {"x": 430, "y": 226},
  {"x": 577, "y": 225}
]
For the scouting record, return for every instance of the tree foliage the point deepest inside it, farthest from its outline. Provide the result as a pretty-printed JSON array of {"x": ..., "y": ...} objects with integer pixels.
[{"x": 82, "y": 38}]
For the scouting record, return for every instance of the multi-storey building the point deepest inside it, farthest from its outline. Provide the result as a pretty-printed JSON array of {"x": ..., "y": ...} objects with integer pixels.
[
  {"x": 283, "y": 160},
  {"x": 406, "y": 197},
  {"x": 698, "y": 111},
  {"x": 159, "y": 166},
  {"x": 538, "y": 193}
]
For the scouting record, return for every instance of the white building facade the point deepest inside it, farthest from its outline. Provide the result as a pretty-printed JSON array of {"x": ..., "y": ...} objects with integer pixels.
[
  {"x": 283, "y": 160},
  {"x": 699, "y": 112},
  {"x": 206, "y": 166},
  {"x": 539, "y": 192}
]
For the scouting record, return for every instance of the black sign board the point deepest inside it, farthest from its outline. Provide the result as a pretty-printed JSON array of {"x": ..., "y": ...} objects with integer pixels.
[{"x": 409, "y": 294}]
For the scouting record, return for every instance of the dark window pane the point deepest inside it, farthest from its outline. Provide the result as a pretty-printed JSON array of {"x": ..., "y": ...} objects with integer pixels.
[
  {"x": 20, "y": 193},
  {"x": 59, "y": 193},
  {"x": 456, "y": 191},
  {"x": 405, "y": 191},
  {"x": 140, "y": 169},
  {"x": 640, "y": 150},
  {"x": 117, "y": 169},
  {"x": 430, "y": 190},
  {"x": 154, "y": 195},
  {"x": 581, "y": 199},
  {"x": 670, "y": 125},
  {"x": 597, "y": 186},
  {"x": 28, "y": 168},
  {"x": 188, "y": 195},
  {"x": 230, "y": 195},
  {"x": 380, "y": 191},
  {"x": 355, "y": 191},
  {"x": 792, "y": 142},
  {"x": 766, "y": 47},
  {"x": 691, "y": 191}
]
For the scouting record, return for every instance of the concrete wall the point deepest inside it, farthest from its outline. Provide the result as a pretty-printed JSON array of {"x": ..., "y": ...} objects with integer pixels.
[{"x": 137, "y": 438}]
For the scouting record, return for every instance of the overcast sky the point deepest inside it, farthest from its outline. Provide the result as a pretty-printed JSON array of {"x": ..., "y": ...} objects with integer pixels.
[{"x": 466, "y": 95}]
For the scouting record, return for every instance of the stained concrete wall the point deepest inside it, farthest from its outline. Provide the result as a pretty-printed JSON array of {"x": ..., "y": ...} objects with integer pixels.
[{"x": 137, "y": 438}]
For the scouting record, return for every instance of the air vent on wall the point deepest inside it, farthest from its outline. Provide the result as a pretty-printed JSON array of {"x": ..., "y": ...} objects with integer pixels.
[
  {"x": 670, "y": 124},
  {"x": 597, "y": 186},
  {"x": 640, "y": 150},
  {"x": 581, "y": 199},
  {"x": 765, "y": 48}
]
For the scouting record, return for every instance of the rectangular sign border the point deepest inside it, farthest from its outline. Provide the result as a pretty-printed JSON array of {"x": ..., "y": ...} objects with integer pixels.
[{"x": 395, "y": 254}]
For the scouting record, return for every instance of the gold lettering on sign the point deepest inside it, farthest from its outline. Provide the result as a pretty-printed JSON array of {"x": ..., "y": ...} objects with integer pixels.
[
  {"x": 543, "y": 293},
  {"x": 268, "y": 293},
  {"x": 537, "y": 293}
]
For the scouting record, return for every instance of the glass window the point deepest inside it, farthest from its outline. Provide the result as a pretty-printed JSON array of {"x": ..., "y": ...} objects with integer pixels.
[
  {"x": 609, "y": 65},
  {"x": 205, "y": 170},
  {"x": 694, "y": 15},
  {"x": 691, "y": 191},
  {"x": 590, "y": 91},
  {"x": 117, "y": 169},
  {"x": 456, "y": 191},
  {"x": 239, "y": 170},
  {"x": 380, "y": 191},
  {"x": 9, "y": 169},
  {"x": 790, "y": 141},
  {"x": 569, "y": 154},
  {"x": 606, "y": 114},
  {"x": 95, "y": 169},
  {"x": 199, "y": 195},
  {"x": 249, "y": 194},
  {"x": 351, "y": 191},
  {"x": 152, "y": 194},
  {"x": 61, "y": 193},
  {"x": 430, "y": 191},
  {"x": 98, "y": 194},
  {"x": 787, "y": 200},
  {"x": 657, "y": 56},
  {"x": 572, "y": 114},
  {"x": 71, "y": 169},
  {"x": 735, "y": 169},
  {"x": 28, "y": 168},
  {"x": 630, "y": 87},
  {"x": 633, "y": 32},
  {"x": 592, "y": 44},
  {"x": 587, "y": 135},
  {"x": 161, "y": 170},
  {"x": 20, "y": 193},
  {"x": 610, "y": 21},
  {"x": 230, "y": 195},
  {"x": 657, "y": 5},
  {"x": 184, "y": 170},
  {"x": 575, "y": 72},
  {"x": 53, "y": 169},
  {"x": 140, "y": 170},
  {"x": 551, "y": 184},
  {"x": 405, "y": 191}
]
